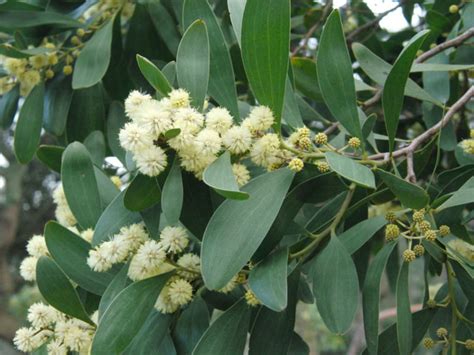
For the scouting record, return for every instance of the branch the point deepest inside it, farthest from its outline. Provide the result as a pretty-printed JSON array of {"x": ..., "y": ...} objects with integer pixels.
[
  {"x": 455, "y": 42},
  {"x": 411, "y": 148}
]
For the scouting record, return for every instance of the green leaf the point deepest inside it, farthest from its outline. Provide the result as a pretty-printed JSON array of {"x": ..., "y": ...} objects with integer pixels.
[
  {"x": 115, "y": 121},
  {"x": 351, "y": 170},
  {"x": 70, "y": 252},
  {"x": 265, "y": 48},
  {"x": 458, "y": 198},
  {"x": 394, "y": 87},
  {"x": 272, "y": 331},
  {"x": 9, "y": 51},
  {"x": 221, "y": 79},
  {"x": 371, "y": 296},
  {"x": 151, "y": 335},
  {"x": 25, "y": 19},
  {"x": 236, "y": 11},
  {"x": 355, "y": 237},
  {"x": 154, "y": 75},
  {"x": 95, "y": 144},
  {"x": 422, "y": 67},
  {"x": 335, "y": 76},
  {"x": 58, "y": 99},
  {"x": 410, "y": 195},
  {"x": 118, "y": 326},
  {"x": 94, "y": 59},
  {"x": 228, "y": 334},
  {"x": 57, "y": 290},
  {"x": 172, "y": 196},
  {"x": 165, "y": 24},
  {"x": 192, "y": 62},
  {"x": 404, "y": 318},
  {"x": 143, "y": 192},
  {"x": 191, "y": 325},
  {"x": 50, "y": 155},
  {"x": 298, "y": 346},
  {"x": 268, "y": 280},
  {"x": 335, "y": 286},
  {"x": 80, "y": 185},
  {"x": 377, "y": 69},
  {"x": 107, "y": 189},
  {"x": 171, "y": 133},
  {"x": 115, "y": 216},
  {"x": 118, "y": 283},
  {"x": 226, "y": 245},
  {"x": 28, "y": 127},
  {"x": 220, "y": 177},
  {"x": 291, "y": 112},
  {"x": 8, "y": 106}
]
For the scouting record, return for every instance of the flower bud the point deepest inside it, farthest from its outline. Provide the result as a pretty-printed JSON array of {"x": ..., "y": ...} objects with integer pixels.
[
  {"x": 304, "y": 143},
  {"x": 430, "y": 235},
  {"x": 390, "y": 217},
  {"x": 428, "y": 343},
  {"x": 441, "y": 332},
  {"x": 444, "y": 230},
  {"x": 431, "y": 303},
  {"x": 251, "y": 299},
  {"x": 67, "y": 70},
  {"x": 454, "y": 9},
  {"x": 469, "y": 344},
  {"x": 354, "y": 142},
  {"x": 419, "y": 216},
  {"x": 409, "y": 255},
  {"x": 424, "y": 226},
  {"x": 419, "y": 250},
  {"x": 321, "y": 138},
  {"x": 391, "y": 232},
  {"x": 296, "y": 165}
]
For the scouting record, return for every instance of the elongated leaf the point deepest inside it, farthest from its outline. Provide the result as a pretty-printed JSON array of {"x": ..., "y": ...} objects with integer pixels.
[
  {"x": 410, "y": 195},
  {"x": 115, "y": 216},
  {"x": 236, "y": 11},
  {"x": 57, "y": 290},
  {"x": 118, "y": 326},
  {"x": 394, "y": 87},
  {"x": 143, "y": 192},
  {"x": 228, "y": 333},
  {"x": 24, "y": 19},
  {"x": 220, "y": 177},
  {"x": 371, "y": 297},
  {"x": 94, "y": 58},
  {"x": 192, "y": 62},
  {"x": 115, "y": 121},
  {"x": 272, "y": 331},
  {"x": 8, "y": 106},
  {"x": 268, "y": 280},
  {"x": 151, "y": 335},
  {"x": 80, "y": 185},
  {"x": 51, "y": 156},
  {"x": 95, "y": 144},
  {"x": 377, "y": 69},
  {"x": 9, "y": 51},
  {"x": 226, "y": 245},
  {"x": 460, "y": 197},
  {"x": 404, "y": 318},
  {"x": 154, "y": 75},
  {"x": 107, "y": 189},
  {"x": 265, "y": 48},
  {"x": 335, "y": 75},
  {"x": 58, "y": 99},
  {"x": 422, "y": 67},
  {"x": 118, "y": 283},
  {"x": 191, "y": 325},
  {"x": 335, "y": 286},
  {"x": 221, "y": 80},
  {"x": 355, "y": 237},
  {"x": 28, "y": 127},
  {"x": 70, "y": 252},
  {"x": 172, "y": 196},
  {"x": 291, "y": 111},
  {"x": 351, "y": 170}
]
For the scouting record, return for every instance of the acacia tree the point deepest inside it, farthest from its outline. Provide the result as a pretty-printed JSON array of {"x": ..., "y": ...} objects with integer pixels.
[{"x": 252, "y": 175}]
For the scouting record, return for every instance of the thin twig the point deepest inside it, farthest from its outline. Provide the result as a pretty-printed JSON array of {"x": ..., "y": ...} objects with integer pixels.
[
  {"x": 455, "y": 42},
  {"x": 331, "y": 128},
  {"x": 411, "y": 148},
  {"x": 374, "y": 99},
  {"x": 411, "y": 176}
]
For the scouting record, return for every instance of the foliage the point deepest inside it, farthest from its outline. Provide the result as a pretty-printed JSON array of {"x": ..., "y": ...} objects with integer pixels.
[{"x": 204, "y": 169}]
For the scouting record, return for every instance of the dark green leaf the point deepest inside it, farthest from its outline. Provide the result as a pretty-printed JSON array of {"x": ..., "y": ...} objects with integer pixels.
[
  {"x": 28, "y": 127},
  {"x": 151, "y": 335},
  {"x": 404, "y": 318},
  {"x": 107, "y": 189},
  {"x": 351, "y": 170},
  {"x": 394, "y": 87},
  {"x": 335, "y": 75},
  {"x": 115, "y": 121},
  {"x": 115, "y": 216},
  {"x": 9, "y": 51},
  {"x": 95, "y": 144},
  {"x": 118, "y": 326},
  {"x": 371, "y": 297},
  {"x": 265, "y": 48},
  {"x": 172, "y": 196},
  {"x": 226, "y": 244},
  {"x": 220, "y": 177},
  {"x": 335, "y": 286},
  {"x": 355, "y": 237},
  {"x": 410, "y": 195},
  {"x": 8, "y": 106},
  {"x": 268, "y": 280},
  {"x": 192, "y": 62},
  {"x": 143, "y": 192},
  {"x": 80, "y": 185},
  {"x": 291, "y": 112},
  {"x": 171, "y": 133},
  {"x": 154, "y": 75},
  {"x": 221, "y": 79},
  {"x": 57, "y": 290},
  {"x": 118, "y": 283},
  {"x": 25, "y": 19},
  {"x": 298, "y": 346},
  {"x": 58, "y": 99},
  {"x": 94, "y": 58},
  {"x": 70, "y": 252},
  {"x": 50, "y": 155},
  {"x": 228, "y": 334},
  {"x": 165, "y": 25},
  {"x": 236, "y": 11}
]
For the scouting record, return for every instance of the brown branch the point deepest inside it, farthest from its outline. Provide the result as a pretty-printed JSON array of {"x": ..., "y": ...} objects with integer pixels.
[
  {"x": 313, "y": 29},
  {"x": 374, "y": 99},
  {"x": 455, "y": 42},
  {"x": 331, "y": 128},
  {"x": 411, "y": 148},
  {"x": 411, "y": 176}
]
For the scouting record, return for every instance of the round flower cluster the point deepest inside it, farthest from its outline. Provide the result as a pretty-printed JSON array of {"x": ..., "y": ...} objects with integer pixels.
[
  {"x": 60, "y": 332},
  {"x": 36, "y": 248}
]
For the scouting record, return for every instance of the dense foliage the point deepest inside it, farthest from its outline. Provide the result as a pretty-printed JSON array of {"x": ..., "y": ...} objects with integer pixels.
[{"x": 215, "y": 164}]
